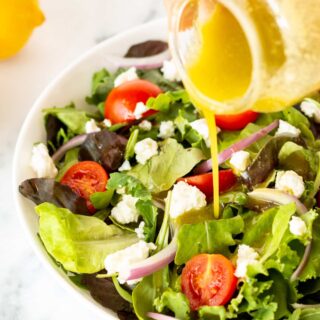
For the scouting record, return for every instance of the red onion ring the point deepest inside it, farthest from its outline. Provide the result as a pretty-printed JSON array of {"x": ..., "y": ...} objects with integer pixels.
[
  {"x": 72, "y": 143},
  {"x": 278, "y": 197},
  {"x": 240, "y": 145},
  {"x": 159, "y": 316},
  {"x": 153, "y": 263}
]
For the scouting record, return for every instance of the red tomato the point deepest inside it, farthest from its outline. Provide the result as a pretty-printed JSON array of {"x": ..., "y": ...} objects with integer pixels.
[
  {"x": 86, "y": 178},
  {"x": 121, "y": 101},
  {"x": 234, "y": 122},
  {"x": 227, "y": 179},
  {"x": 208, "y": 280}
]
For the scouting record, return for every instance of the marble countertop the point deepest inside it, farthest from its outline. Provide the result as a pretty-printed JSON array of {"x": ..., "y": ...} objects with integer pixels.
[{"x": 27, "y": 292}]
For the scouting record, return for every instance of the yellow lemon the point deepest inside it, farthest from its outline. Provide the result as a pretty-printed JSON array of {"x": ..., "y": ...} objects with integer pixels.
[{"x": 18, "y": 18}]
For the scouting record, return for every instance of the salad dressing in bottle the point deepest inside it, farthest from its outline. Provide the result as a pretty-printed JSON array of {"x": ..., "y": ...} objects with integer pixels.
[{"x": 236, "y": 55}]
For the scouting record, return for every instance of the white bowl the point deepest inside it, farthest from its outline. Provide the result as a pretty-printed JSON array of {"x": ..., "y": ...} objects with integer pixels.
[{"x": 73, "y": 84}]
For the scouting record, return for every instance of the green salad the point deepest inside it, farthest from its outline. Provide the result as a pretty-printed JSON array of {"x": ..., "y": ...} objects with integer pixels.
[{"x": 124, "y": 198}]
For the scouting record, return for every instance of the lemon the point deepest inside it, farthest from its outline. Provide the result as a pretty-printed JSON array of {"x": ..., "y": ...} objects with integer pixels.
[{"x": 18, "y": 18}]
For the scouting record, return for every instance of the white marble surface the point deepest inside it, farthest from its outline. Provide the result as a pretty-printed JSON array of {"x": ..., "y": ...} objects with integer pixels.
[{"x": 26, "y": 290}]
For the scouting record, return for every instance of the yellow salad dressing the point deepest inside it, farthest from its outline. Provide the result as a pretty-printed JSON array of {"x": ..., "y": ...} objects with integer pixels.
[{"x": 213, "y": 70}]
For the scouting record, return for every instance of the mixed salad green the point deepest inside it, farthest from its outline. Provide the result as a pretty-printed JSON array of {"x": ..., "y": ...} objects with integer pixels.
[{"x": 124, "y": 199}]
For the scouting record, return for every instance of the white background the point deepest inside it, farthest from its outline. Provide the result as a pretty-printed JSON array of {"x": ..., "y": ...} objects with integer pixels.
[{"x": 72, "y": 26}]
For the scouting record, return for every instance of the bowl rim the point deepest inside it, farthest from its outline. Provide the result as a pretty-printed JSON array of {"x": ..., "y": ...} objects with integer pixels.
[{"x": 42, "y": 255}]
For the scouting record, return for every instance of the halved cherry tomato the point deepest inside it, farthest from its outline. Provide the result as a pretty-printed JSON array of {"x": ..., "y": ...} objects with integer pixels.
[
  {"x": 208, "y": 280},
  {"x": 234, "y": 122},
  {"x": 227, "y": 179},
  {"x": 86, "y": 178},
  {"x": 122, "y": 100}
]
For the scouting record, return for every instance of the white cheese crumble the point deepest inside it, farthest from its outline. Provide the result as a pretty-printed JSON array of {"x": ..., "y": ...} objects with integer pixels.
[
  {"x": 120, "y": 261},
  {"x": 107, "y": 123},
  {"x": 41, "y": 162},
  {"x": 290, "y": 182},
  {"x": 125, "y": 211},
  {"x": 145, "y": 149},
  {"x": 246, "y": 256},
  {"x": 166, "y": 129},
  {"x": 140, "y": 230},
  {"x": 129, "y": 75},
  {"x": 201, "y": 127},
  {"x": 287, "y": 128},
  {"x": 140, "y": 109},
  {"x": 311, "y": 109},
  {"x": 91, "y": 126},
  {"x": 184, "y": 198},
  {"x": 170, "y": 71},
  {"x": 145, "y": 125},
  {"x": 297, "y": 226},
  {"x": 240, "y": 160},
  {"x": 126, "y": 166}
]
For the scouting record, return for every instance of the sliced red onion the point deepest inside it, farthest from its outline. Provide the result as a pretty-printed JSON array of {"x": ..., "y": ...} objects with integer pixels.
[
  {"x": 159, "y": 316},
  {"x": 152, "y": 264},
  {"x": 302, "y": 263},
  {"x": 152, "y": 62},
  {"x": 72, "y": 143},
  {"x": 277, "y": 197},
  {"x": 240, "y": 145},
  {"x": 280, "y": 197}
]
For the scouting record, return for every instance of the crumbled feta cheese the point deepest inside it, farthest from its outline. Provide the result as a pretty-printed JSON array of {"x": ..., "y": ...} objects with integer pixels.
[
  {"x": 120, "y": 261},
  {"x": 297, "y": 226},
  {"x": 107, "y": 123},
  {"x": 166, "y": 129},
  {"x": 125, "y": 211},
  {"x": 41, "y": 162},
  {"x": 145, "y": 125},
  {"x": 184, "y": 198},
  {"x": 246, "y": 256},
  {"x": 140, "y": 109},
  {"x": 140, "y": 230},
  {"x": 240, "y": 160},
  {"x": 311, "y": 109},
  {"x": 129, "y": 75},
  {"x": 201, "y": 127},
  {"x": 290, "y": 182},
  {"x": 91, "y": 126},
  {"x": 170, "y": 71},
  {"x": 287, "y": 128},
  {"x": 145, "y": 149},
  {"x": 126, "y": 166}
]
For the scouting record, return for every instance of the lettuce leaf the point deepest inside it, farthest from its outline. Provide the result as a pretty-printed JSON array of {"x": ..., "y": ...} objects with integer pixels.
[
  {"x": 212, "y": 313},
  {"x": 144, "y": 205},
  {"x": 41, "y": 190},
  {"x": 174, "y": 301},
  {"x": 79, "y": 243},
  {"x": 163, "y": 170},
  {"x": 74, "y": 119},
  {"x": 105, "y": 147},
  {"x": 146, "y": 49},
  {"x": 214, "y": 236},
  {"x": 303, "y": 161}
]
